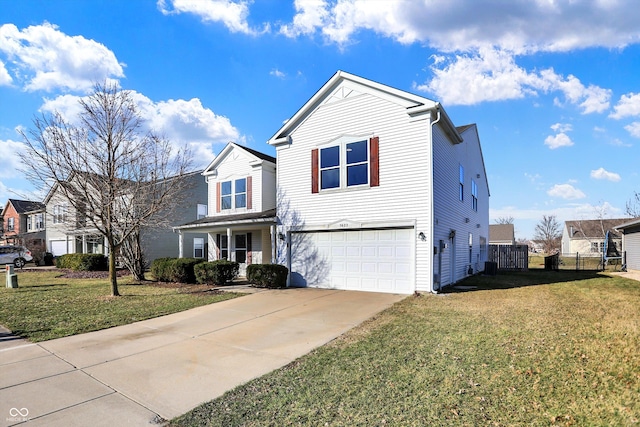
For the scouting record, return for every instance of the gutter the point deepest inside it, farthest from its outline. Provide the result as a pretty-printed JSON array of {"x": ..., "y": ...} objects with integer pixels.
[{"x": 431, "y": 208}]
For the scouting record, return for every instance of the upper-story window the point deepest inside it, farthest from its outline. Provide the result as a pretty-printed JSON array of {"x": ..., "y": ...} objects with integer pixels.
[
  {"x": 344, "y": 165},
  {"x": 235, "y": 194},
  {"x": 11, "y": 225},
  {"x": 39, "y": 221},
  {"x": 59, "y": 214},
  {"x": 474, "y": 195},
  {"x": 461, "y": 183},
  {"x": 29, "y": 223},
  {"x": 202, "y": 211}
]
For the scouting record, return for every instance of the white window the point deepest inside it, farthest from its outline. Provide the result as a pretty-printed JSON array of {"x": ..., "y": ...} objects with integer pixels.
[
  {"x": 461, "y": 183},
  {"x": 233, "y": 194},
  {"x": 29, "y": 222},
  {"x": 202, "y": 211},
  {"x": 59, "y": 214},
  {"x": 39, "y": 221},
  {"x": 11, "y": 224},
  {"x": 470, "y": 247},
  {"x": 344, "y": 165},
  {"x": 198, "y": 247},
  {"x": 224, "y": 247},
  {"x": 474, "y": 195}
]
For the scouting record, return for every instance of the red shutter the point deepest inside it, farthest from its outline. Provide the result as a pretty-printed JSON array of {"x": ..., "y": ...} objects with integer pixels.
[
  {"x": 218, "y": 196},
  {"x": 374, "y": 163},
  {"x": 249, "y": 193},
  {"x": 249, "y": 248},
  {"x": 314, "y": 170}
]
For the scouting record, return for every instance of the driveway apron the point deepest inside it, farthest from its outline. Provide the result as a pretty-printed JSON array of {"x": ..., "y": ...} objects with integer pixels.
[{"x": 154, "y": 370}]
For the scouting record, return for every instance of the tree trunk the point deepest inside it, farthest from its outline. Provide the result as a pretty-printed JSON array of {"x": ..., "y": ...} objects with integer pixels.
[{"x": 113, "y": 277}]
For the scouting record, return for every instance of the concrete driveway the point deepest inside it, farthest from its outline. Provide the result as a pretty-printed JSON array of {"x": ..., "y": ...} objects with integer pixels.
[{"x": 157, "y": 369}]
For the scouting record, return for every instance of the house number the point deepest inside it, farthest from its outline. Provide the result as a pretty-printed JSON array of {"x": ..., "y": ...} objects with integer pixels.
[{"x": 343, "y": 225}]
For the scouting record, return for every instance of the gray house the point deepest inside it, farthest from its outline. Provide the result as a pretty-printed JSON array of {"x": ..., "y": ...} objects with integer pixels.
[{"x": 70, "y": 232}]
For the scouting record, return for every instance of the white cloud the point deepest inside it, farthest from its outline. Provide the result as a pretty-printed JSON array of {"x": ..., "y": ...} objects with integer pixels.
[
  {"x": 310, "y": 15},
  {"x": 557, "y": 141},
  {"x": 562, "y": 127},
  {"x": 10, "y": 158},
  {"x": 5, "y": 78},
  {"x": 627, "y": 106},
  {"x": 446, "y": 25},
  {"x": 493, "y": 75},
  {"x": 182, "y": 122},
  {"x": 604, "y": 174},
  {"x": 277, "y": 73},
  {"x": 232, "y": 14},
  {"x": 44, "y": 58},
  {"x": 566, "y": 191},
  {"x": 633, "y": 129}
]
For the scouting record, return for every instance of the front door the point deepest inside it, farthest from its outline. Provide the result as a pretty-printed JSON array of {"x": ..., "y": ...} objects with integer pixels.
[{"x": 241, "y": 253}]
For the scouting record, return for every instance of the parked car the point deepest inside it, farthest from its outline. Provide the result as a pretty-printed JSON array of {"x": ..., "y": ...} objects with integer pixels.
[{"x": 16, "y": 255}]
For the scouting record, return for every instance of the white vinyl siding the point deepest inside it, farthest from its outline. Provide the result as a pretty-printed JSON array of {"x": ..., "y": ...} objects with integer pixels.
[
  {"x": 631, "y": 244},
  {"x": 404, "y": 169}
]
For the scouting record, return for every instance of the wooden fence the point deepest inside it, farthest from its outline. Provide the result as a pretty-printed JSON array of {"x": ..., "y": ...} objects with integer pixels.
[{"x": 509, "y": 257}]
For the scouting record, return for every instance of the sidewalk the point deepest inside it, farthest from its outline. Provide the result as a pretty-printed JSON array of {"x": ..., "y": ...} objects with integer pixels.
[{"x": 154, "y": 370}]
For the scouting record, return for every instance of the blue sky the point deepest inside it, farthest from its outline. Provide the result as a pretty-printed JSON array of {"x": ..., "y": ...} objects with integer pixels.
[{"x": 553, "y": 86}]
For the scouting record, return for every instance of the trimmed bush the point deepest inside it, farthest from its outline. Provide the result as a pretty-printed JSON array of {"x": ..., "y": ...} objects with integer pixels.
[
  {"x": 182, "y": 269},
  {"x": 267, "y": 275},
  {"x": 217, "y": 272},
  {"x": 161, "y": 269},
  {"x": 83, "y": 262},
  {"x": 179, "y": 270}
]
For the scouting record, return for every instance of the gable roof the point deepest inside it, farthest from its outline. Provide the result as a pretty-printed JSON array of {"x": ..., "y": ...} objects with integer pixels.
[
  {"x": 473, "y": 127},
  {"x": 501, "y": 233},
  {"x": 414, "y": 105},
  {"x": 25, "y": 206},
  {"x": 255, "y": 154},
  {"x": 593, "y": 228},
  {"x": 629, "y": 224}
]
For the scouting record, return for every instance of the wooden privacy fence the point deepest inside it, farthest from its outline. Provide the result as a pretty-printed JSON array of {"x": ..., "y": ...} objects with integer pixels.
[{"x": 510, "y": 257}]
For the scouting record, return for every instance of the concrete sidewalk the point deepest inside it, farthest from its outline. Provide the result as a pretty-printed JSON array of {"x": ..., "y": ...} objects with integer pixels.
[{"x": 154, "y": 370}]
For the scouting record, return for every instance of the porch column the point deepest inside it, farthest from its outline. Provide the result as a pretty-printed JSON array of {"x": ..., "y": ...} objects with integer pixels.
[
  {"x": 180, "y": 244},
  {"x": 84, "y": 243},
  {"x": 274, "y": 242},
  {"x": 231, "y": 255}
]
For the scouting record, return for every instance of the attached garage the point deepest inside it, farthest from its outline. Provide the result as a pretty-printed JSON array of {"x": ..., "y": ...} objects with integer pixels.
[
  {"x": 58, "y": 247},
  {"x": 377, "y": 260}
]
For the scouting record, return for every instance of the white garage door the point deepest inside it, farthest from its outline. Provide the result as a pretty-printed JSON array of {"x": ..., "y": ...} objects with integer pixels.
[
  {"x": 58, "y": 247},
  {"x": 366, "y": 260}
]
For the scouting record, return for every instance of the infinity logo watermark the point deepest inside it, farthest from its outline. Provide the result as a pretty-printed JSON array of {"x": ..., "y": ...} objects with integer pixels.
[{"x": 16, "y": 414}]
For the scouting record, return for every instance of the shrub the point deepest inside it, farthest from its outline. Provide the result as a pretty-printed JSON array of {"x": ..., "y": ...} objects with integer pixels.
[
  {"x": 217, "y": 272},
  {"x": 179, "y": 270},
  {"x": 267, "y": 275},
  {"x": 182, "y": 269},
  {"x": 161, "y": 269},
  {"x": 83, "y": 262}
]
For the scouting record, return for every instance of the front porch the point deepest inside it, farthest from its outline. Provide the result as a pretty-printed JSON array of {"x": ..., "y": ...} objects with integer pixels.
[{"x": 244, "y": 238}]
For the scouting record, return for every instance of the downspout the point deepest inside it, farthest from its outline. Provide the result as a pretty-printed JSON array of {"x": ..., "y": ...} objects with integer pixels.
[{"x": 431, "y": 209}]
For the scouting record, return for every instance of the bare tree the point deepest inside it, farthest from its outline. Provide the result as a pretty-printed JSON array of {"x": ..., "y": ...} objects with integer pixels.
[
  {"x": 107, "y": 167},
  {"x": 504, "y": 220},
  {"x": 548, "y": 233},
  {"x": 633, "y": 206}
]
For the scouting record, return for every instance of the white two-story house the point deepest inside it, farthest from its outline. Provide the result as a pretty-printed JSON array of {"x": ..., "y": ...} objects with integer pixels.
[
  {"x": 378, "y": 190},
  {"x": 241, "y": 218}
]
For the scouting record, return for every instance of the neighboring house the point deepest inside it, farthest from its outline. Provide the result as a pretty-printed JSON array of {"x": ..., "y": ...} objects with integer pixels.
[
  {"x": 587, "y": 236},
  {"x": 502, "y": 234},
  {"x": 241, "y": 218},
  {"x": 631, "y": 243},
  {"x": 379, "y": 191},
  {"x": 24, "y": 224},
  {"x": 71, "y": 232}
]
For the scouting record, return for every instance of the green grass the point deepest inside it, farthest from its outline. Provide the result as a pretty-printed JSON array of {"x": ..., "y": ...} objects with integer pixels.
[
  {"x": 46, "y": 306},
  {"x": 559, "y": 353}
]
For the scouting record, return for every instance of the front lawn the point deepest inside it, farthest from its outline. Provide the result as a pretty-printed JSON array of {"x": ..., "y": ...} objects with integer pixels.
[
  {"x": 565, "y": 352},
  {"x": 47, "y": 306}
]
